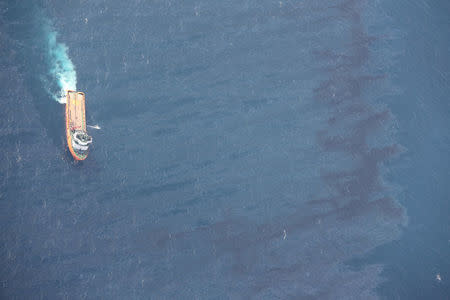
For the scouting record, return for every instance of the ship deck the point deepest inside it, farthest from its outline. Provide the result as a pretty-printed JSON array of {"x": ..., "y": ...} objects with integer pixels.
[{"x": 76, "y": 111}]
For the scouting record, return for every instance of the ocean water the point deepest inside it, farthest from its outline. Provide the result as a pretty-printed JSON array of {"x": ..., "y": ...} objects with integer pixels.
[{"x": 248, "y": 149}]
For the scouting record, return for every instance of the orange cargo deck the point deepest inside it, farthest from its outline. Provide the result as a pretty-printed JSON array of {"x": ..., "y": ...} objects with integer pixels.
[
  {"x": 75, "y": 110},
  {"x": 75, "y": 119}
]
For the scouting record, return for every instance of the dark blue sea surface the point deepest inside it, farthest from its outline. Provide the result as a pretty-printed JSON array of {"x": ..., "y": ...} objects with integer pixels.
[{"x": 248, "y": 149}]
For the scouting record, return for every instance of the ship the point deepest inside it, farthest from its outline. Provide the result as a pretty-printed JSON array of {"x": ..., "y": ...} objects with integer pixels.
[{"x": 78, "y": 139}]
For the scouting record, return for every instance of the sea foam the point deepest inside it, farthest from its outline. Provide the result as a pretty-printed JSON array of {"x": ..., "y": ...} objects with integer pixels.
[{"x": 61, "y": 69}]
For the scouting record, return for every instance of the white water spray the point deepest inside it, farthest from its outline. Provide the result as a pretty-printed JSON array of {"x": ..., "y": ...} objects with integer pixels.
[
  {"x": 61, "y": 68},
  {"x": 94, "y": 127}
]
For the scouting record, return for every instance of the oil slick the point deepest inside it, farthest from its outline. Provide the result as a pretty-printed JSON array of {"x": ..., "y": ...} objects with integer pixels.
[{"x": 352, "y": 211}]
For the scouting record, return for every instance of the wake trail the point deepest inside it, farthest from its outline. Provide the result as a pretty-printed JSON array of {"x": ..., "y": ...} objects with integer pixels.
[{"x": 60, "y": 68}]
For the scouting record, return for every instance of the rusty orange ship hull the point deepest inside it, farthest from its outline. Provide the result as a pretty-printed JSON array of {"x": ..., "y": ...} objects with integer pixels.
[{"x": 75, "y": 120}]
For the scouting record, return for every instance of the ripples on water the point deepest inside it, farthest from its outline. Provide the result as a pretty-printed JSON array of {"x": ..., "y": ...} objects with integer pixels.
[{"x": 239, "y": 155}]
